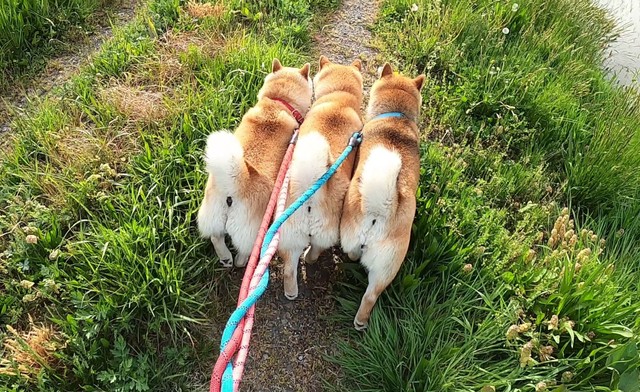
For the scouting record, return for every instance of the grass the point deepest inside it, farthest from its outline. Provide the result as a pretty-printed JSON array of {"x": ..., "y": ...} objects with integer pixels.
[
  {"x": 503, "y": 289},
  {"x": 106, "y": 286},
  {"x": 30, "y": 30},
  {"x": 99, "y": 189}
]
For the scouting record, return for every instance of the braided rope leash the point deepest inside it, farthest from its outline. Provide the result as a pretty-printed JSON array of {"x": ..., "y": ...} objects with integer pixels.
[
  {"x": 266, "y": 253},
  {"x": 232, "y": 347},
  {"x": 263, "y": 265}
]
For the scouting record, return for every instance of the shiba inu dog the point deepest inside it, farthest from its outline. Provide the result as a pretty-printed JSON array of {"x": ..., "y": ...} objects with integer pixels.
[
  {"x": 243, "y": 165},
  {"x": 332, "y": 119},
  {"x": 380, "y": 204}
]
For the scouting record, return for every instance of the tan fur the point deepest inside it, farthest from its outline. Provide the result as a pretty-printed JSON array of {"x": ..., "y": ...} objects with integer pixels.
[
  {"x": 264, "y": 134},
  {"x": 381, "y": 241},
  {"x": 333, "y": 118}
]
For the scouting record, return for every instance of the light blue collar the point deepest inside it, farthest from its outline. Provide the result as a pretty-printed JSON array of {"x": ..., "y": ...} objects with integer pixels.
[{"x": 387, "y": 115}]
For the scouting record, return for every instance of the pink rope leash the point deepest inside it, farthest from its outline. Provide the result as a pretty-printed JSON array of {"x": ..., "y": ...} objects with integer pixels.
[{"x": 241, "y": 358}]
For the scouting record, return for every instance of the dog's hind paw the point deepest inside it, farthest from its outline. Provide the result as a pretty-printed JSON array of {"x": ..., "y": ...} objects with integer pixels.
[{"x": 359, "y": 326}]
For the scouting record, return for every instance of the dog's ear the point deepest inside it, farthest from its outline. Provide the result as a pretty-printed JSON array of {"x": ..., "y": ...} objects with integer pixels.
[
  {"x": 324, "y": 61},
  {"x": 358, "y": 64},
  {"x": 386, "y": 70},
  {"x": 304, "y": 71},
  {"x": 276, "y": 66},
  {"x": 419, "y": 81}
]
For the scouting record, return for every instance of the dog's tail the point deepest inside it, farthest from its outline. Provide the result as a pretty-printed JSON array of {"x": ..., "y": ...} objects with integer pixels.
[
  {"x": 311, "y": 158},
  {"x": 379, "y": 180},
  {"x": 224, "y": 159}
]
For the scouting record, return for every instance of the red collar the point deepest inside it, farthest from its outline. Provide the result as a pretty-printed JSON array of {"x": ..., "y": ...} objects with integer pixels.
[{"x": 294, "y": 112}]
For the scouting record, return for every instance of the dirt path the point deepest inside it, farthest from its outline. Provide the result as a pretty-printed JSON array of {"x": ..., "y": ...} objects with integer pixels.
[
  {"x": 291, "y": 338},
  {"x": 346, "y": 37},
  {"x": 61, "y": 68}
]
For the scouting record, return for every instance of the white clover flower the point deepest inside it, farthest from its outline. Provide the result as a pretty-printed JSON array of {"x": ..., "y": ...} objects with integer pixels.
[
  {"x": 505, "y": 31},
  {"x": 515, "y": 7},
  {"x": 414, "y": 7}
]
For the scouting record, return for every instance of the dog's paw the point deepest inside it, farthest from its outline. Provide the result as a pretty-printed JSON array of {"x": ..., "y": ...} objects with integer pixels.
[
  {"x": 353, "y": 256},
  {"x": 226, "y": 263},
  {"x": 359, "y": 326},
  {"x": 240, "y": 260},
  {"x": 293, "y": 294}
]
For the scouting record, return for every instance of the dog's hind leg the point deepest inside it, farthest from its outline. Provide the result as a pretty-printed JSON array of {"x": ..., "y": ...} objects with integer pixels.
[
  {"x": 291, "y": 259},
  {"x": 241, "y": 259},
  {"x": 313, "y": 254},
  {"x": 383, "y": 260}
]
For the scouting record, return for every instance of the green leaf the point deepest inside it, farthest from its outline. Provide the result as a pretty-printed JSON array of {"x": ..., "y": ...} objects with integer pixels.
[{"x": 508, "y": 277}]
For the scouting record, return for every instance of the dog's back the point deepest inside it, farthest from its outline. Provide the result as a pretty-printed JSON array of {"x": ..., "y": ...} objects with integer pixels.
[
  {"x": 243, "y": 166},
  {"x": 333, "y": 118},
  {"x": 380, "y": 205}
]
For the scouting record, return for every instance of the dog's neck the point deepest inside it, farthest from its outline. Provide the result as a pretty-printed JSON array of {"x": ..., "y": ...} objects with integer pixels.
[
  {"x": 353, "y": 100},
  {"x": 282, "y": 100},
  {"x": 378, "y": 108}
]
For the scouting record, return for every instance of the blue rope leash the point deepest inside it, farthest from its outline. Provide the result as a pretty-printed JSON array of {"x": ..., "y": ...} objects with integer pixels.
[{"x": 241, "y": 311}]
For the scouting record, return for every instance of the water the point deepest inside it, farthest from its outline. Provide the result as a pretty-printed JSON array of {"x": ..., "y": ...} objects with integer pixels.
[{"x": 623, "y": 54}]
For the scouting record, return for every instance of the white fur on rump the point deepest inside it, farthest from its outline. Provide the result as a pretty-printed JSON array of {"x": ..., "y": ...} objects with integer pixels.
[
  {"x": 224, "y": 162},
  {"x": 310, "y": 161},
  {"x": 379, "y": 179},
  {"x": 224, "y": 159}
]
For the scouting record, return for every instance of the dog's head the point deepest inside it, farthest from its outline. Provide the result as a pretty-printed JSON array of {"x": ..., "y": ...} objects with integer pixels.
[
  {"x": 336, "y": 77},
  {"x": 289, "y": 84},
  {"x": 393, "y": 92}
]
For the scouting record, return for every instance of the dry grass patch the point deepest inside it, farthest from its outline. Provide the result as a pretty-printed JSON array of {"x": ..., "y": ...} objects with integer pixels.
[
  {"x": 204, "y": 10},
  {"x": 79, "y": 147},
  {"x": 28, "y": 352},
  {"x": 176, "y": 43},
  {"x": 138, "y": 104}
]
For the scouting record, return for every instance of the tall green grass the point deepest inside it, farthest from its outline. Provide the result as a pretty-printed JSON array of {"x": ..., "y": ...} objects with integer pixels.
[
  {"x": 526, "y": 77},
  {"x": 503, "y": 291},
  {"x": 27, "y": 27},
  {"x": 117, "y": 265}
]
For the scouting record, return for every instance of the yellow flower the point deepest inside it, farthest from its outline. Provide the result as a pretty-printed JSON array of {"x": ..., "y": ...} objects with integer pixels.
[
  {"x": 512, "y": 332},
  {"x": 29, "y": 298},
  {"x": 31, "y": 239},
  {"x": 524, "y": 327},
  {"x": 553, "y": 323},
  {"x": 531, "y": 255},
  {"x": 467, "y": 268},
  {"x": 584, "y": 254},
  {"x": 568, "y": 234},
  {"x": 566, "y": 376},
  {"x": 525, "y": 354},
  {"x": 27, "y": 284},
  {"x": 545, "y": 353},
  {"x": 541, "y": 386}
]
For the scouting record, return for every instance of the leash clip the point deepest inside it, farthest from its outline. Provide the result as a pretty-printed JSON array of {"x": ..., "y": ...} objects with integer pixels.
[
  {"x": 355, "y": 139},
  {"x": 294, "y": 137}
]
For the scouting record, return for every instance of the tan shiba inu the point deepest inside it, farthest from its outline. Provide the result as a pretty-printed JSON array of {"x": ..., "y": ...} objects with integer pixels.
[
  {"x": 380, "y": 205},
  {"x": 333, "y": 118},
  {"x": 243, "y": 166}
]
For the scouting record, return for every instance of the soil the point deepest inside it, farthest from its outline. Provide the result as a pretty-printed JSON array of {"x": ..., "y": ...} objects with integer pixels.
[{"x": 73, "y": 54}]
